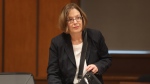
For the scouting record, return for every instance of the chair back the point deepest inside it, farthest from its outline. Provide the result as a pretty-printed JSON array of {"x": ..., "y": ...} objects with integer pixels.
[{"x": 16, "y": 78}]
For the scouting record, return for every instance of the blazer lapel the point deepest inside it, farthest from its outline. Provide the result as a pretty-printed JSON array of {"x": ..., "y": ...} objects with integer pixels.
[
  {"x": 69, "y": 49},
  {"x": 88, "y": 50},
  {"x": 89, "y": 44}
]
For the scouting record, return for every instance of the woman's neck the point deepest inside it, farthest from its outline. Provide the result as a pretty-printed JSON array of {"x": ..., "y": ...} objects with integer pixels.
[{"x": 76, "y": 38}]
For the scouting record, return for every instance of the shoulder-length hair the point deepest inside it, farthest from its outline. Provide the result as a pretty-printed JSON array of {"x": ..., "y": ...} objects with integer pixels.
[{"x": 64, "y": 14}]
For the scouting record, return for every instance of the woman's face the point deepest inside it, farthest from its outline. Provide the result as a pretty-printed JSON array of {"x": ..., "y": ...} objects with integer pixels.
[{"x": 74, "y": 21}]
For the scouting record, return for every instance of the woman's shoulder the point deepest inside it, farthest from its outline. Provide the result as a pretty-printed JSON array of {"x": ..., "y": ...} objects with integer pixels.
[
  {"x": 59, "y": 39},
  {"x": 93, "y": 32}
]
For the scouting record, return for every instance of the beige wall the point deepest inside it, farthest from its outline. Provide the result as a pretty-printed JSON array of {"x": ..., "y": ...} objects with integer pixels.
[{"x": 125, "y": 24}]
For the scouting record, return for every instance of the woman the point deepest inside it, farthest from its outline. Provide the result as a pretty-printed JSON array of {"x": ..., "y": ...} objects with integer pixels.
[{"x": 65, "y": 50}]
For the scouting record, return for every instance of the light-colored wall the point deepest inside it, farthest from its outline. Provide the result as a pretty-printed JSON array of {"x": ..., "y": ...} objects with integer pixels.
[{"x": 125, "y": 24}]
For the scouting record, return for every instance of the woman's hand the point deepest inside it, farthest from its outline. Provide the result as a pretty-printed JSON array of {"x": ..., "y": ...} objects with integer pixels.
[{"x": 92, "y": 68}]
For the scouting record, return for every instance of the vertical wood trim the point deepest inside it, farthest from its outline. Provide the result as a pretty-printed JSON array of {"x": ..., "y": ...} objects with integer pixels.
[
  {"x": 1, "y": 34},
  {"x": 37, "y": 35},
  {"x": 20, "y": 36}
]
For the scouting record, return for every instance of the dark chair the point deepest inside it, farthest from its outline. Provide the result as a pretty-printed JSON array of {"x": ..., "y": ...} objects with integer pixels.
[{"x": 16, "y": 78}]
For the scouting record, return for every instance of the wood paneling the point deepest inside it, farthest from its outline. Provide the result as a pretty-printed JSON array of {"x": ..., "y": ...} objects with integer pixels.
[
  {"x": 1, "y": 35},
  {"x": 48, "y": 28},
  {"x": 130, "y": 64},
  {"x": 29, "y": 26},
  {"x": 41, "y": 81},
  {"x": 20, "y": 36}
]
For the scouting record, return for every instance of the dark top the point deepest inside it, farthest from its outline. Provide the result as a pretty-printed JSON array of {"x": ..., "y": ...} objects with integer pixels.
[{"x": 62, "y": 67}]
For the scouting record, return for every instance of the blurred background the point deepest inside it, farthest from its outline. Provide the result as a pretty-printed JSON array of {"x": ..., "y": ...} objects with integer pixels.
[{"x": 27, "y": 27}]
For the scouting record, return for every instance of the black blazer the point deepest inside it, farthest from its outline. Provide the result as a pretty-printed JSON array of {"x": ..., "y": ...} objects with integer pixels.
[{"x": 62, "y": 67}]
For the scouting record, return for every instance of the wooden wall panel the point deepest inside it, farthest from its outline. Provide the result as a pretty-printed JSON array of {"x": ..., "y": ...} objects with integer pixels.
[
  {"x": 20, "y": 36},
  {"x": 126, "y": 64},
  {"x": 1, "y": 35},
  {"x": 48, "y": 28}
]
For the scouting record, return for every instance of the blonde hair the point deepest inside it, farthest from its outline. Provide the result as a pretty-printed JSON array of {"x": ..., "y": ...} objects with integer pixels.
[{"x": 64, "y": 14}]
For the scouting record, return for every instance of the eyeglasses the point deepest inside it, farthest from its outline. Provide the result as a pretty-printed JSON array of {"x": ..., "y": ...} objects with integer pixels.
[{"x": 71, "y": 20}]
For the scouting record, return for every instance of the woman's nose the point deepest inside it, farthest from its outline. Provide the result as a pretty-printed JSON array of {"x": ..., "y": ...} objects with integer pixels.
[{"x": 74, "y": 21}]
